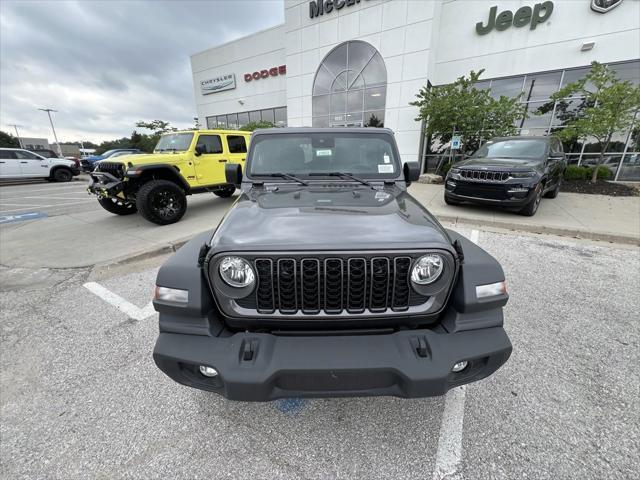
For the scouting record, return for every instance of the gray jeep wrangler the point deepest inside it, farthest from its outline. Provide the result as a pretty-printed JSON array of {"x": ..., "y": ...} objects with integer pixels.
[{"x": 327, "y": 278}]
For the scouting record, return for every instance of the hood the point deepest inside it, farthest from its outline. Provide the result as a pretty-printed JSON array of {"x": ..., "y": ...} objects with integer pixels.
[
  {"x": 148, "y": 158},
  {"x": 93, "y": 158},
  {"x": 328, "y": 218},
  {"x": 501, "y": 163}
]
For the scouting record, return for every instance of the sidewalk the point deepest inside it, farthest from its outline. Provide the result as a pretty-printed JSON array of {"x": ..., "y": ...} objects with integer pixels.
[
  {"x": 596, "y": 217},
  {"x": 81, "y": 239}
]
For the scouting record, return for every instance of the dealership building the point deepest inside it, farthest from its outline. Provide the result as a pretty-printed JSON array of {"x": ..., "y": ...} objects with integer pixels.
[{"x": 361, "y": 62}]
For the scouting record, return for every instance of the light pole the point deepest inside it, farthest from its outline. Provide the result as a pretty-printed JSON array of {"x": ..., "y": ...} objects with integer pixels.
[
  {"x": 17, "y": 134},
  {"x": 49, "y": 110}
]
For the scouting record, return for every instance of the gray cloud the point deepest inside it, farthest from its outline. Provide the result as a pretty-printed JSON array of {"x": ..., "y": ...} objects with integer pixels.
[{"x": 106, "y": 64}]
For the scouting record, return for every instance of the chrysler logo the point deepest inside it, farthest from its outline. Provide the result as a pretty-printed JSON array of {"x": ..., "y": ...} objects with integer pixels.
[{"x": 603, "y": 6}]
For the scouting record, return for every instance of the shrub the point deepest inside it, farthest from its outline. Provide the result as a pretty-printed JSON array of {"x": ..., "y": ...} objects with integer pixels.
[
  {"x": 574, "y": 172},
  {"x": 604, "y": 173},
  {"x": 445, "y": 169}
]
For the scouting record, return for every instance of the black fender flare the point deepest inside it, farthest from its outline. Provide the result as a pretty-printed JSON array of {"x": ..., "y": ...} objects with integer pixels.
[{"x": 168, "y": 170}]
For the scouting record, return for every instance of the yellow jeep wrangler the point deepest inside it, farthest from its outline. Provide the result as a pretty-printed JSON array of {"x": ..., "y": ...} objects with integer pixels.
[{"x": 157, "y": 184}]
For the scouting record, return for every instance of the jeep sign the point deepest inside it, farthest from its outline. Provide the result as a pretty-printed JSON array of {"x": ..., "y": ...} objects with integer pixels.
[
  {"x": 218, "y": 84},
  {"x": 523, "y": 16}
]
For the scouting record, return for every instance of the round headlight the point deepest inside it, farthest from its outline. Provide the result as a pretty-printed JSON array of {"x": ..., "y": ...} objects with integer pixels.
[
  {"x": 237, "y": 272},
  {"x": 427, "y": 269}
]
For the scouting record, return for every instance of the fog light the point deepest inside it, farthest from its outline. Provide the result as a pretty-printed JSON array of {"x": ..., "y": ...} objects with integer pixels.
[
  {"x": 211, "y": 372},
  {"x": 458, "y": 367}
]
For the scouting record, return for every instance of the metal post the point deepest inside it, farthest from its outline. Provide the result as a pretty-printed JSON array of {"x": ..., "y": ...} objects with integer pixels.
[
  {"x": 626, "y": 146},
  {"x": 49, "y": 110},
  {"x": 17, "y": 133}
]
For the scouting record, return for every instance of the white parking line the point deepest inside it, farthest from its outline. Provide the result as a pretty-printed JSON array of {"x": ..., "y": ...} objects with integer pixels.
[
  {"x": 53, "y": 205},
  {"x": 48, "y": 197},
  {"x": 449, "y": 454},
  {"x": 120, "y": 303}
]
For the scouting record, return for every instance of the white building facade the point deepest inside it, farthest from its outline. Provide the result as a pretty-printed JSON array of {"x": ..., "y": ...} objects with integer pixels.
[{"x": 361, "y": 62}]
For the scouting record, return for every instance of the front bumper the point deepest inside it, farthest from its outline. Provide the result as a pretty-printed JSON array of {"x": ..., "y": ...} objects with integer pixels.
[
  {"x": 518, "y": 200},
  {"x": 105, "y": 185},
  {"x": 261, "y": 367}
]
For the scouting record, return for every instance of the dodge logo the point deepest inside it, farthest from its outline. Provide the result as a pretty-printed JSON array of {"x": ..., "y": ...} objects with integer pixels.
[{"x": 603, "y": 6}]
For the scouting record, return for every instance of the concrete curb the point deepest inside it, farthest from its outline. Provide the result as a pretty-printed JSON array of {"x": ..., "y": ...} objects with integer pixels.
[
  {"x": 543, "y": 229},
  {"x": 173, "y": 246}
]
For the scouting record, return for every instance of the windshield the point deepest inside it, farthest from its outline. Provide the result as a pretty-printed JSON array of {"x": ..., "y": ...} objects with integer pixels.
[
  {"x": 108, "y": 153},
  {"x": 529, "y": 149},
  {"x": 174, "y": 142},
  {"x": 367, "y": 155}
]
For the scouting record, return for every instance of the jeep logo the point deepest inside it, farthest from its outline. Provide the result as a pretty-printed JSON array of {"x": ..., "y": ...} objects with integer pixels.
[{"x": 523, "y": 16}]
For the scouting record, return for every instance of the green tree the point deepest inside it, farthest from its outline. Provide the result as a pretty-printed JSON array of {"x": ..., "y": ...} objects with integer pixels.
[
  {"x": 8, "y": 141},
  {"x": 251, "y": 126},
  {"x": 608, "y": 107},
  {"x": 158, "y": 127},
  {"x": 464, "y": 110}
]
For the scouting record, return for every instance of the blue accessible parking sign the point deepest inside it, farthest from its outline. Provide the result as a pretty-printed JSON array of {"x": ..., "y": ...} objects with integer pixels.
[{"x": 21, "y": 217}]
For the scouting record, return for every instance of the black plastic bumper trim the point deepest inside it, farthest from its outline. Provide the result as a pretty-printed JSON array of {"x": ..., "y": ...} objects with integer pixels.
[{"x": 333, "y": 366}]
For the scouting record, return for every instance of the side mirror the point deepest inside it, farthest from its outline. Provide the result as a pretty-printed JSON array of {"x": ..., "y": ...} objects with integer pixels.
[
  {"x": 233, "y": 173},
  {"x": 556, "y": 156},
  {"x": 200, "y": 149},
  {"x": 411, "y": 172}
]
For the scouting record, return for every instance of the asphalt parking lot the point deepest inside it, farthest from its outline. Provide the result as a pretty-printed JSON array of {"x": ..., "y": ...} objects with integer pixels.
[
  {"x": 82, "y": 397},
  {"x": 44, "y": 198}
]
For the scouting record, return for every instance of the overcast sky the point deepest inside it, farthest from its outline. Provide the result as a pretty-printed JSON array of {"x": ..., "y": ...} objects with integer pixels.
[{"x": 106, "y": 64}]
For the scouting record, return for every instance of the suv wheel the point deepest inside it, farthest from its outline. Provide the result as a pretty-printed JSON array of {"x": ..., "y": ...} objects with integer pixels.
[
  {"x": 554, "y": 193},
  {"x": 62, "y": 175},
  {"x": 225, "y": 192},
  {"x": 532, "y": 207},
  {"x": 117, "y": 207},
  {"x": 161, "y": 202}
]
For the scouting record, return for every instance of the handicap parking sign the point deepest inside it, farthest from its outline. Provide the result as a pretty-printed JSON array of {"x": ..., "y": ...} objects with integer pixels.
[{"x": 455, "y": 142}]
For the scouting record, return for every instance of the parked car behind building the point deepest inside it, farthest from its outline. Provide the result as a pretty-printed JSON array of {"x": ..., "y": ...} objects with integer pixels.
[
  {"x": 19, "y": 163},
  {"x": 89, "y": 163}
]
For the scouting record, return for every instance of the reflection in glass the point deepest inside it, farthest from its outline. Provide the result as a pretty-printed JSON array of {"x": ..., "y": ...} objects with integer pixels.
[
  {"x": 541, "y": 86},
  {"x": 255, "y": 116},
  {"x": 507, "y": 87},
  {"x": 267, "y": 115},
  {"x": 243, "y": 118},
  {"x": 281, "y": 116}
]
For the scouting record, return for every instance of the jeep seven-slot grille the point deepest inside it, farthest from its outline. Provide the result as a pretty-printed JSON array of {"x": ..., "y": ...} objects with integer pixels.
[
  {"x": 114, "y": 168},
  {"x": 484, "y": 175},
  {"x": 332, "y": 285}
]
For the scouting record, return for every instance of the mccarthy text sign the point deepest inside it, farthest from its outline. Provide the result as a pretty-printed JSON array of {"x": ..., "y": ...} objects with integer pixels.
[
  {"x": 320, "y": 7},
  {"x": 218, "y": 84}
]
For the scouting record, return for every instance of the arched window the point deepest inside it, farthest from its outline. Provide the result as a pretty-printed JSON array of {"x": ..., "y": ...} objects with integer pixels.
[{"x": 350, "y": 87}]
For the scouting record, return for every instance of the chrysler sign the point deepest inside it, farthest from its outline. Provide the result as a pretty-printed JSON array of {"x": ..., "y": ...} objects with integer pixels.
[{"x": 218, "y": 84}]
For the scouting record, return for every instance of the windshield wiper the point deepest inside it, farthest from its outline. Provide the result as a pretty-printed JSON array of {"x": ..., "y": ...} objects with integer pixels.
[
  {"x": 287, "y": 176},
  {"x": 342, "y": 174}
]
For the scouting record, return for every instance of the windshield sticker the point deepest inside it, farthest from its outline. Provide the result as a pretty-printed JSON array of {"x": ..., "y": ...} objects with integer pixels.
[
  {"x": 382, "y": 195},
  {"x": 385, "y": 168},
  {"x": 323, "y": 153},
  {"x": 386, "y": 158}
]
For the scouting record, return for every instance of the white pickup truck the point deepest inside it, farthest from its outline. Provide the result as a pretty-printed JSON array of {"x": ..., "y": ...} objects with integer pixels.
[{"x": 20, "y": 163}]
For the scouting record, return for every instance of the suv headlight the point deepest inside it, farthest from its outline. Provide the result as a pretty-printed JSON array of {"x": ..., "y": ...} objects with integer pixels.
[
  {"x": 522, "y": 174},
  {"x": 237, "y": 272},
  {"x": 427, "y": 269}
]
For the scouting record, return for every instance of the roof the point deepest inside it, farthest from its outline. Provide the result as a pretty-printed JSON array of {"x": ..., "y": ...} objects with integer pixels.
[
  {"x": 269, "y": 131},
  {"x": 522, "y": 137},
  {"x": 208, "y": 130}
]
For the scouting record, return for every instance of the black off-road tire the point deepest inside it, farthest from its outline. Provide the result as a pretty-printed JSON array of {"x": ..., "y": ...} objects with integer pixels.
[
  {"x": 161, "y": 202},
  {"x": 531, "y": 208},
  {"x": 225, "y": 192},
  {"x": 62, "y": 174},
  {"x": 117, "y": 207},
  {"x": 554, "y": 193}
]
